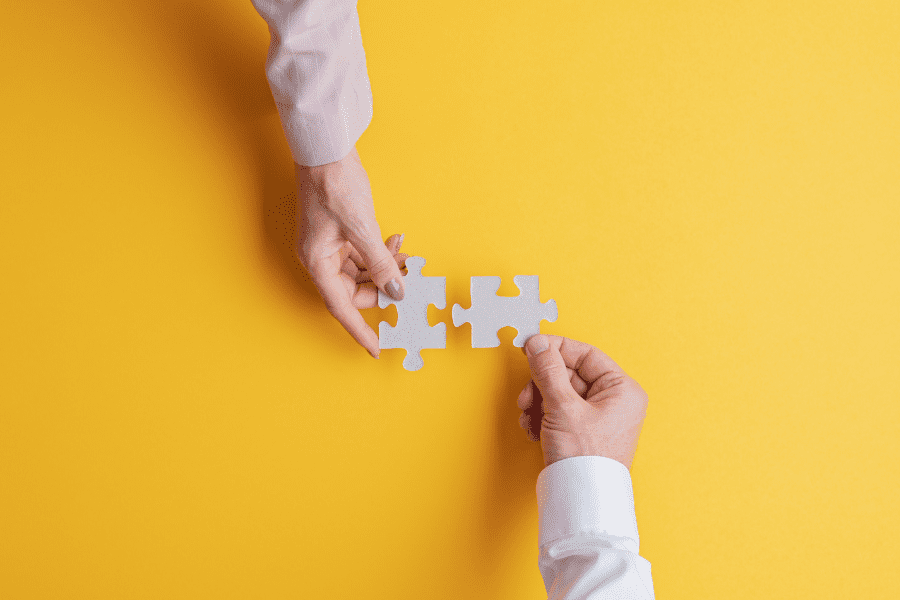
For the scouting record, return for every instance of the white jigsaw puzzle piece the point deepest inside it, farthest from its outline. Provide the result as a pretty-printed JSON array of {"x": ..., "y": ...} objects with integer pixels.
[
  {"x": 490, "y": 313},
  {"x": 412, "y": 331}
]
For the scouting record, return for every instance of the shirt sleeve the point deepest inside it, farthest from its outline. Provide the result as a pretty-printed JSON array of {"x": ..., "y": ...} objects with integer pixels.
[
  {"x": 588, "y": 537},
  {"x": 316, "y": 69}
]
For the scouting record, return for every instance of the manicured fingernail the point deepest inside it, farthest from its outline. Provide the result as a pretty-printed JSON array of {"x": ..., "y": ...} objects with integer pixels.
[
  {"x": 400, "y": 243},
  {"x": 535, "y": 345},
  {"x": 392, "y": 287}
]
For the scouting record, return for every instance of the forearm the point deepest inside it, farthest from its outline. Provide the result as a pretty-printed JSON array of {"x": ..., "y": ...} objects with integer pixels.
[
  {"x": 588, "y": 532},
  {"x": 316, "y": 70}
]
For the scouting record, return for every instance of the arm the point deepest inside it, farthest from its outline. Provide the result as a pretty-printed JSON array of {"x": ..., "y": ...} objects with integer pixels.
[
  {"x": 587, "y": 414},
  {"x": 588, "y": 532},
  {"x": 316, "y": 69},
  {"x": 317, "y": 73}
]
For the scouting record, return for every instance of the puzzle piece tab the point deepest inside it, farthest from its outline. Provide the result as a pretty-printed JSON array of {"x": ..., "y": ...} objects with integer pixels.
[
  {"x": 490, "y": 312},
  {"x": 412, "y": 331}
]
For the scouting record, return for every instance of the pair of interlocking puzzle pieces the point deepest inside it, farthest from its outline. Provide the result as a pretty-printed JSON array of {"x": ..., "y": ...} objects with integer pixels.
[{"x": 489, "y": 313}]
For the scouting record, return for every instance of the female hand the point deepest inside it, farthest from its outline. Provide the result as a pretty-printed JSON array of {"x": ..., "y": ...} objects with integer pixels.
[{"x": 340, "y": 244}]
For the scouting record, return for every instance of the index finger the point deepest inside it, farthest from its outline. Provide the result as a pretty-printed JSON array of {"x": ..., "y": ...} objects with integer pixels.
[
  {"x": 339, "y": 302},
  {"x": 588, "y": 361}
]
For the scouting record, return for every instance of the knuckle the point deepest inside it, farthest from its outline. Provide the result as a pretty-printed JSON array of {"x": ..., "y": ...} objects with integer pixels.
[
  {"x": 546, "y": 370},
  {"x": 383, "y": 265},
  {"x": 593, "y": 355},
  {"x": 611, "y": 379},
  {"x": 359, "y": 227}
]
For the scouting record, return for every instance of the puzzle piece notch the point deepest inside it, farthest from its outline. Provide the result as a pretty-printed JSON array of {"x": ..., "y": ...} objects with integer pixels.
[
  {"x": 412, "y": 332},
  {"x": 490, "y": 313}
]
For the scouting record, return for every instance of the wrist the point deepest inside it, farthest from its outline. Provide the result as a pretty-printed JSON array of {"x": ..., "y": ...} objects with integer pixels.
[
  {"x": 352, "y": 154},
  {"x": 586, "y": 446}
]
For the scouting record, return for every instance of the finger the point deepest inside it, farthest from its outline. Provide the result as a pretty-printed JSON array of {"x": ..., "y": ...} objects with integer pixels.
[
  {"x": 578, "y": 384},
  {"x": 394, "y": 242},
  {"x": 378, "y": 260},
  {"x": 531, "y": 424},
  {"x": 356, "y": 257},
  {"x": 526, "y": 396},
  {"x": 340, "y": 304},
  {"x": 350, "y": 268},
  {"x": 344, "y": 251},
  {"x": 548, "y": 370},
  {"x": 366, "y": 296},
  {"x": 363, "y": 276},
  {"x": 588, "y": 361}
]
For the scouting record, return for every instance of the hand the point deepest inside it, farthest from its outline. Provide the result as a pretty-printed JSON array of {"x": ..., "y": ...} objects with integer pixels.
[
  {"x": 579, "y": 402},
  {"x": 340, "y": 244}
]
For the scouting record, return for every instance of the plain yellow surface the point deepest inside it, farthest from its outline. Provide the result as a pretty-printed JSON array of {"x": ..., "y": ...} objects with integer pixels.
[{"x": 709, "y": 190}]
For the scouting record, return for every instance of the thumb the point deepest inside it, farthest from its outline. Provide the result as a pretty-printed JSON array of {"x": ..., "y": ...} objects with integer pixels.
[
  {"x": 378, "y": 260},
  {"x": 548, "y": 369}
]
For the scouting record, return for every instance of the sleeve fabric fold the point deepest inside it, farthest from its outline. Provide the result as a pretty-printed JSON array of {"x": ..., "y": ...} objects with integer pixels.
[
  {"x": 588, "y": 539},
  {"x": 316, "y": 68}
]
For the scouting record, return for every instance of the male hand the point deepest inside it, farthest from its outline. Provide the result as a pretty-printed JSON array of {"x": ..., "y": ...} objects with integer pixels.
[
  {"x": 579, "y": 402},
  {"x": 340, "y": 244}
]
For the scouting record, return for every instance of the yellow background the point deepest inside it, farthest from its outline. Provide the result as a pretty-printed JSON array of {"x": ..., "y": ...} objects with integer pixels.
[{"x": 709, "y": 190}]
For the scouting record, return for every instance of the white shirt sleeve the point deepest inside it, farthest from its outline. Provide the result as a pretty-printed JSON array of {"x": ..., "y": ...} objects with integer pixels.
[
  {"x": 316, "y": 69},
  {"x": 588, "y": 532}
]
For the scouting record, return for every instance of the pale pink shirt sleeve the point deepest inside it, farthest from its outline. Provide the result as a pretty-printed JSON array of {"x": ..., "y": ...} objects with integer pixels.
[
  {"x": 316, "y": 69},
  {"x": 588, "y": 541}
]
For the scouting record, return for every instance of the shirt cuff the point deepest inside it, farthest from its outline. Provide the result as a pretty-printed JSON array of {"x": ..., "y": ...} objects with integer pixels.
[
  {"x": 588, "y": 495},
  {"x": 321, "y": 86}
]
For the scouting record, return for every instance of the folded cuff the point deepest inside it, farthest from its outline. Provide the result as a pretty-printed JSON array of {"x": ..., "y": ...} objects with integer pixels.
[{"x": 586, "y": 494}]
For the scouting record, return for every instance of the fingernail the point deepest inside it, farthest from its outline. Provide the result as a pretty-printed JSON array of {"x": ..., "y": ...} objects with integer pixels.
[
  {"x": 392, "y": 287},
  {"x": 535, "y": 345},
  {"x": 400, "y": 243}
]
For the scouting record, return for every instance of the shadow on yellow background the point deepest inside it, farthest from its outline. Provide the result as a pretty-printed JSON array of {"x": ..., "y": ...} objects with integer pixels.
[{"x": 709, "y": 191}]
